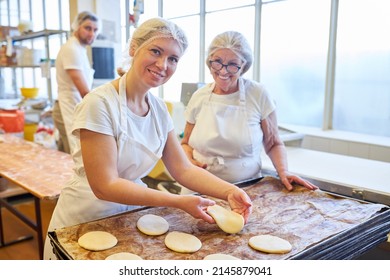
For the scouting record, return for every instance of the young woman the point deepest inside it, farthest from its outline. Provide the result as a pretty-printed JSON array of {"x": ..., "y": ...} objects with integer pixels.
[{"x": 123, "y": 130}]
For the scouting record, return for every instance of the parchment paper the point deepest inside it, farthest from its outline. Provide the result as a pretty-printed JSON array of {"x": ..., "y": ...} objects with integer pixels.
[{"x": 301, "y": 216}]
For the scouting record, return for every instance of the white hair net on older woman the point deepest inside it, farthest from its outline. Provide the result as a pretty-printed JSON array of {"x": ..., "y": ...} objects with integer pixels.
[
  {"x": 83, "y": 16},
  {"x": 235, "y": 42},
  {"x": 150, "y": 30}
]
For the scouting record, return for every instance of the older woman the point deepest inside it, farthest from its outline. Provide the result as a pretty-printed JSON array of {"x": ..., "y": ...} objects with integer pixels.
[
  {"x": 230, "y": 120},
  {"x": 123, "y": 130}
]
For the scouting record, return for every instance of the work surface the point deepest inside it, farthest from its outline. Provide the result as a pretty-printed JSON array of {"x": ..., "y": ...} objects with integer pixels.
[
  {"x": 40, "y": 171},
  {"x": 302, "y": 217}
]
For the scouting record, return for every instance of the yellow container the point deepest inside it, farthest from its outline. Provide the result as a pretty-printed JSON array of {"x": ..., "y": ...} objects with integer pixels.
[
  {"x": 29, "y": 92},
  {"x": 29, "y": 131},
  {"x": 159, "y": 171}
]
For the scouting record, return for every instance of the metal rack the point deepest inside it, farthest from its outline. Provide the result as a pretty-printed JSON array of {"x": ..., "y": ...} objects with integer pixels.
[{"x": 46, "y": 34}]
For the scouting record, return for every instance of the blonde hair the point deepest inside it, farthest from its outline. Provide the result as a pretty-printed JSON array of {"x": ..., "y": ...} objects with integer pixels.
[{"x": 150, "y": 30}]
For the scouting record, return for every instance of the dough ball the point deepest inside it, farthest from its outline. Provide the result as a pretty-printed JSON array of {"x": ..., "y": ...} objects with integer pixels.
[
  {"x": 219, "y": 256},
  {"x": 270, "y": 244},
  {"x": 227, "y": 220},
  {"x": 182, "y": 242},
  {"x": 124, "y": 256},
  {"x": 152, "y": 224},
  {"x": 97, "y": 240}
]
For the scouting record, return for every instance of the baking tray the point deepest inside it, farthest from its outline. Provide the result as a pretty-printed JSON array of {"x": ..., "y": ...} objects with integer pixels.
[{"x": 307, "y": 219}]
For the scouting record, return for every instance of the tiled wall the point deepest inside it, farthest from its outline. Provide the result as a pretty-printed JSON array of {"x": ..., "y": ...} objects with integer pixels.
[
  {"x": 339, "y": 142},
  {"x": 345, "y": 147}
]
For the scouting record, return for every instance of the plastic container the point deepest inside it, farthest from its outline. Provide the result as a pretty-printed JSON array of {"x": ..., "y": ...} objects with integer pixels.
[
  {"x": 29, "y": 92},
  {"x": 11, "y": 121},
  {"x": 29, "y": 131}
]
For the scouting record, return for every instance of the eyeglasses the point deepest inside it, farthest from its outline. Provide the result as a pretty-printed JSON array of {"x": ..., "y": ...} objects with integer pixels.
[{"x": 231, "y": 68}]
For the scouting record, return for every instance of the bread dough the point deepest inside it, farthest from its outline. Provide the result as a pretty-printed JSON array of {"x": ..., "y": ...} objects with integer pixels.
[
  {"x": 124, "y": 256},
  {"x": 97, "y": 240},
  {"x": 227, "y": 220},
  {"x": 182, "y": 242},
  {"x": 219, "y": 256},
  {"x": 270, "y": 244},
  {"x": 152, "y": 224}
]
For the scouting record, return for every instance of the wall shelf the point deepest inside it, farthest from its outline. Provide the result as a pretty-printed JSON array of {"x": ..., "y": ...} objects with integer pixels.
[
  {"x": 38, "y": 34},
  {"x": 46, "y": 34}
]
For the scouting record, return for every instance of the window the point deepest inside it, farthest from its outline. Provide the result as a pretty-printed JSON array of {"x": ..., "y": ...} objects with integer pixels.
[
  {"x": 43, "y": 15},
  {"x": 362, "y": 82},
  {"x": 238, "y": 19},
  {"x": 216, "y": 5},
  {"x": 294, "y": 42},
  {"x": 291, "y": 58},
  {"x": 188, "y": 68},
  {"x": 150, "y": 10},
  {"x": 174, "y": 8}
]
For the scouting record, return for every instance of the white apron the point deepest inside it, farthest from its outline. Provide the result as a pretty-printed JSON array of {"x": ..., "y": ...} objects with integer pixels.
[
  {"x": 68, "y": 102},
  {"x": 221, "y": 138},
  {"x": 77, "y": 203}
]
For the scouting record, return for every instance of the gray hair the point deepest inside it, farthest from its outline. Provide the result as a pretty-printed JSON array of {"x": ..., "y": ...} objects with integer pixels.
[
  {"x": 83, "y": 16},
  {"x": 235, "y": 42}
]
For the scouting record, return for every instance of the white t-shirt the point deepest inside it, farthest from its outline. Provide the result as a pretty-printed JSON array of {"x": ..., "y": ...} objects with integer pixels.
[
  {"x": 99, "y": 111},
  {"x": 72, "y": 55}
]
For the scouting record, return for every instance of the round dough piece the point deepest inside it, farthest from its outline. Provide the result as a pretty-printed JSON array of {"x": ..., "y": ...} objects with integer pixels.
[
  {"x": 270, "y": 244},
  {"x": 97, "y": 240},
  {"x": 124, "y": 256},
  {"x": 227, "y": 220},
  {"x": 182, "y": 242},
  {"x": 152, "y": 224},
  {"x": 220, "y": 256}
]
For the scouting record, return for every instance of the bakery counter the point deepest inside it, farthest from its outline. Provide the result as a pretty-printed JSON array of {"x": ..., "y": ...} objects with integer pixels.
[{"x": 318, "y": 225}]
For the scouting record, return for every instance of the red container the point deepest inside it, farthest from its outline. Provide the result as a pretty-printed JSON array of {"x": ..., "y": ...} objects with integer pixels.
[{"x": 11, "y": 121}]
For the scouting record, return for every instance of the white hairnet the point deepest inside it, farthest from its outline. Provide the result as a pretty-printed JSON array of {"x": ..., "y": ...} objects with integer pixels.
[
  {"x": 152, "y": 29},
  {"x": 83, "y": 16},
  {"x": 235, "y": 42}
]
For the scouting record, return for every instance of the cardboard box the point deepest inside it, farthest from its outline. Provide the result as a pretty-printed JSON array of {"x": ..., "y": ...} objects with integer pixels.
[
  {"x": 8, "y": 31},
  {"x": 7, "y": 60}
]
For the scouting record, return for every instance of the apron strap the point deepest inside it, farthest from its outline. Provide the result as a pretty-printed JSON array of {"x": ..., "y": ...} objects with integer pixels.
[{"x": 242, "y": 91}]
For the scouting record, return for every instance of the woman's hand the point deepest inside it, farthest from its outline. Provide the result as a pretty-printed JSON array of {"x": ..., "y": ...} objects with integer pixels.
[
  {"x": 187, "y": 148},
  {"x": 198, "y": 163},
  {"x": 196, "y": 206},
  {"x": 240, "y": 203},
  {"x": 189, "y": 153},
  {"x": 289, "y": 179}
]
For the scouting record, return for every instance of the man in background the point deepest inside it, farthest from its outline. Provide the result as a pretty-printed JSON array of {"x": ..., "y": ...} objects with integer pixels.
[{"x": 74, "y": 75}]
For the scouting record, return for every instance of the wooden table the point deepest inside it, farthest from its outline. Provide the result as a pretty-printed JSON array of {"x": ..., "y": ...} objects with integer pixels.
[{"x": 40, "y": 171}]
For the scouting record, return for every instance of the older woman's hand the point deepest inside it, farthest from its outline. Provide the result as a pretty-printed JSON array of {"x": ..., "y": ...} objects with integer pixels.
[{"x": 289, "y": 179}]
